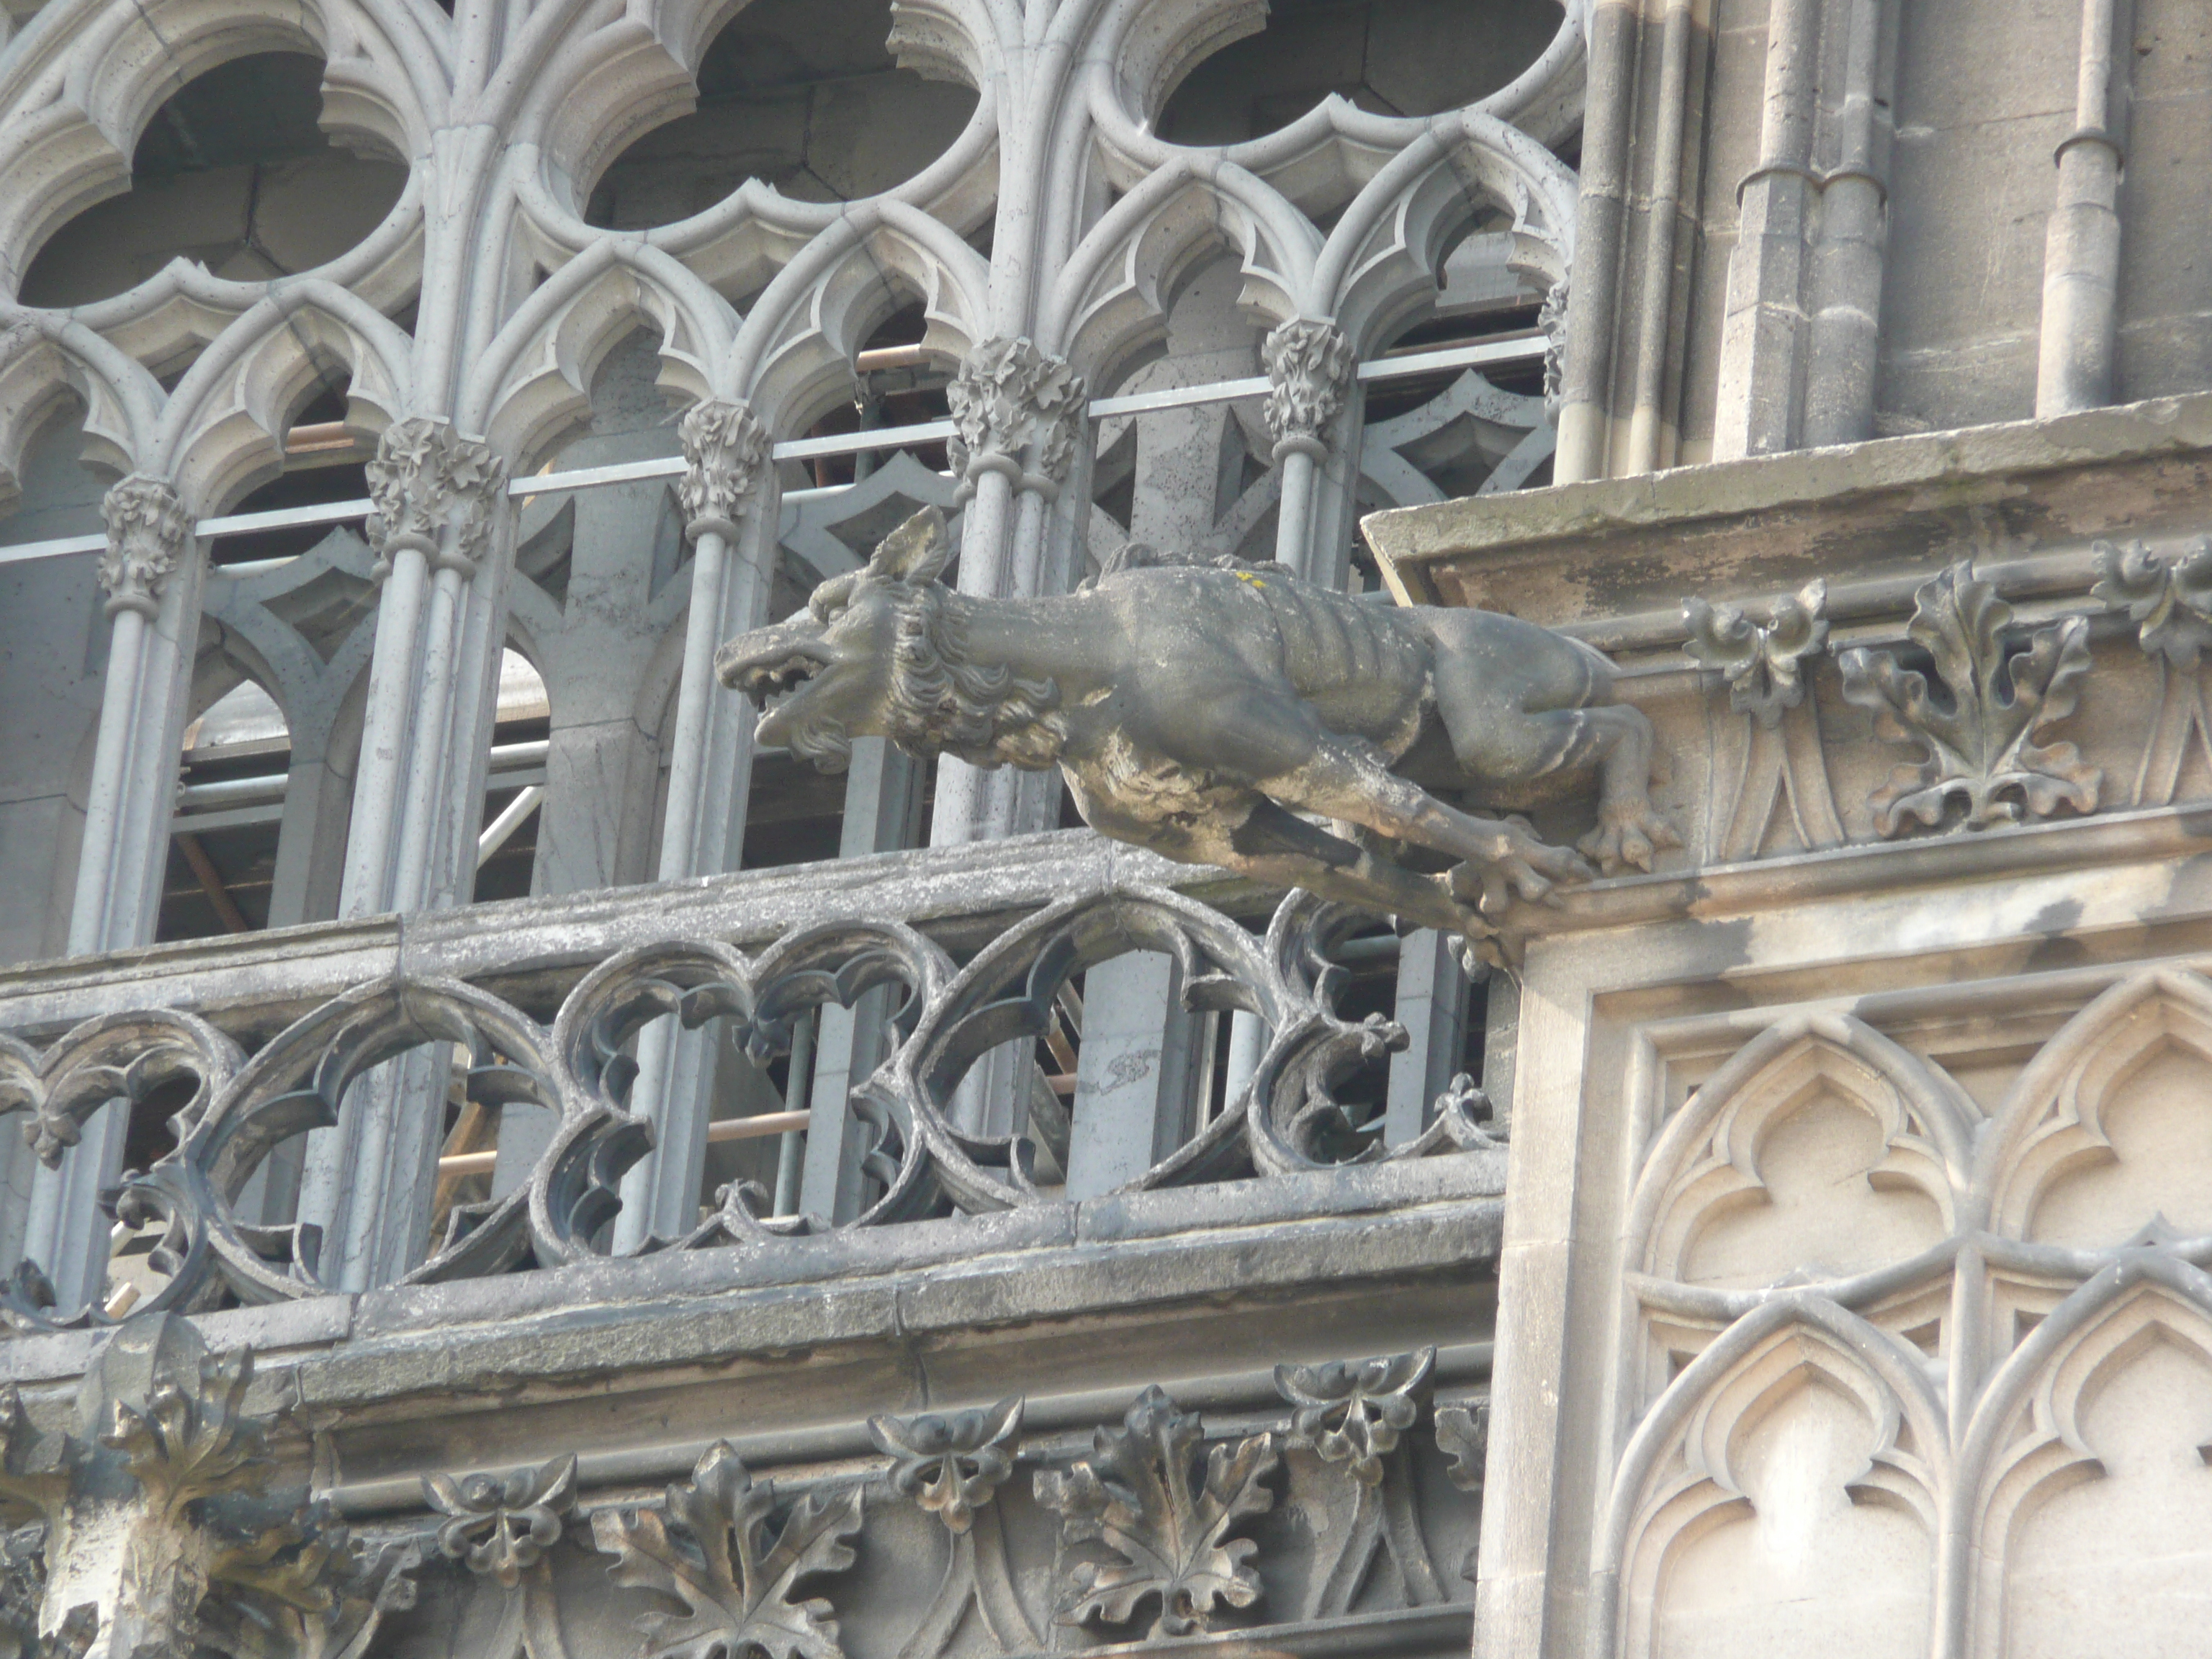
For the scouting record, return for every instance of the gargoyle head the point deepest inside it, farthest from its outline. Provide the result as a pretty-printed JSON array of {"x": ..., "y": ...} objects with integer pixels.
[{"x": 881, "y": 652}]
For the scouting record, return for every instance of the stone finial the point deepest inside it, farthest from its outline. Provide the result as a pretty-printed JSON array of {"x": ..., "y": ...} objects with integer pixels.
[
  {"x": 162, "y": 1535},
  {"x": 147, "y": 529},
  {"x": 1007, "y": 396},
  {"x": 725, "y": 446},
  {"x": 425, "y": 477},
  {"x": 1310, "y": 365}
]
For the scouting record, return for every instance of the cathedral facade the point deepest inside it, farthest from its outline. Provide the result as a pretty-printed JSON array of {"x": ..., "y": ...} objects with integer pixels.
[{"x": 496, "y": 1160}]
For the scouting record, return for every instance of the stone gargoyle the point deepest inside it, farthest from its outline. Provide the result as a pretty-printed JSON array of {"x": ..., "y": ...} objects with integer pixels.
[{"x": 1200, "y": 709}]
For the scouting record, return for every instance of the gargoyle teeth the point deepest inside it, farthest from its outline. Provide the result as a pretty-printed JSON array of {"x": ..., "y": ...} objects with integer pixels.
[{"x": 766, "y": 680}]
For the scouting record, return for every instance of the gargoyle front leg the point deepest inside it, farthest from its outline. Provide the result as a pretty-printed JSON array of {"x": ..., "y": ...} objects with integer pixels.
[{"x": 1349, "y": 779}]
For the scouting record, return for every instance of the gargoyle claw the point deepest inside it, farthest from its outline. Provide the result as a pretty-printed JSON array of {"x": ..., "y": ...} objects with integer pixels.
[{"x": 1628, "y": 833}]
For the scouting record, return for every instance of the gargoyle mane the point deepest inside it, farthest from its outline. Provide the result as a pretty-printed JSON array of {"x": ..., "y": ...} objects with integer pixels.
[{"x": 942, "y": 701}]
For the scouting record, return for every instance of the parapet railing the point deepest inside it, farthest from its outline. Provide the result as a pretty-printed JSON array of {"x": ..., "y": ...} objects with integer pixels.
[{"x": 921, "y": 1128}]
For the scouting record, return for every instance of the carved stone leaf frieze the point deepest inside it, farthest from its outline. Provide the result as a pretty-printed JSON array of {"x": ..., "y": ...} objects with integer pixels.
[
  {"x": 2168, "y": 597},
  {"x": 712, "y": 1546},
  {"x": 1763, "y": 663},
  {"x": 502, "y": 1525},
  {"x": 950, "y": 1464},
  {"x": 159, "y": 1534},
  {"x": 1354, "y": 1411},
  {"x": 1463, "y": 1436},
  {"x": 1982, "y": 726},
  {"x": 1170, "y": 1536}
]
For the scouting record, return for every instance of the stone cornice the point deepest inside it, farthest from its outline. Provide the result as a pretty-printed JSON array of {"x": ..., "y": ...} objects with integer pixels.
[{"x": 1897, "y": 506}]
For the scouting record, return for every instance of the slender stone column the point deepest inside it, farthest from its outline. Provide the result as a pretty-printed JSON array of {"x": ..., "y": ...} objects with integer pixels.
[
  {"x": 440, "y": 522},
  {"x": 1018, "y": 412},
  {"x": 1584, "y": 396},
  {"x": 1132, "y": 1075},
  {"x": 2076, "y": 363},
  {"x": 1764, "y": 332},
  {"x": 1311, "y": 366},
  {"x": 153, "y": 591},
  {"x": 725, "y": 451},
  {"x": 882, "y": 812},
  {"x": 1848, "y": 253},
  {"x": 436, "y": 495},
  {"x": 1431, "y": 1005}
]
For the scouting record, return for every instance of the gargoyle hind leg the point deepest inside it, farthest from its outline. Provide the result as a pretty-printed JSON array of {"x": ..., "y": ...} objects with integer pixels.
[
  {"x": 1512, "y": 746},
  {"x": 1349, "y": 779}
]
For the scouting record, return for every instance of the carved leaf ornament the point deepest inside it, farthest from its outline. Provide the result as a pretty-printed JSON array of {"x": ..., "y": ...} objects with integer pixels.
[
  {"x": 502, "y": 1525},
  {"x": 950, "y": 1464},
  {"x": 2168, "y": 598},
  {"x": 1134, "y": 1495},
  {"x": 1761, "y": 662},
  {"x": 1354, "y": 1411},
  {"x": 1982, "y": 729},
  {"x": 711, "y": 1548}
]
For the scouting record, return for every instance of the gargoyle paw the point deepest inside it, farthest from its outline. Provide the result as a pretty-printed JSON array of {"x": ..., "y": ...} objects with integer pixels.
[
  {"x": 1522, "y": 867},
  {"x": 1629, "y": 832}
]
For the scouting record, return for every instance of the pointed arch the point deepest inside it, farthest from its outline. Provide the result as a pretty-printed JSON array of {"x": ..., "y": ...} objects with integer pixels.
[
  {"x": 45, "y": 361},
  {"x": 796, "y": 346},
  {"x": 1382, "y": 254},
  {"x": 1680, "y": 1473},
  {"x": 2051, "y": 1123},
  {"x": 1112, "y": 296},
  {"x": 223, "y": 428},
  {"x": 1706, "y": 1162},
  {"x": 2024, "y": 1444},
  {"x": 532, "y": 383}
]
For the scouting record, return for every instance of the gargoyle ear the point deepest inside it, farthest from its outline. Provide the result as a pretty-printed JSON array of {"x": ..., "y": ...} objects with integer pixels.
[{"x": 915, "y": 551}]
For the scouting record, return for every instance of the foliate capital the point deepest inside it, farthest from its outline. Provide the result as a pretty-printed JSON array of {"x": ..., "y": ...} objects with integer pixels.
[
  {"x": 425, "y": 477},
  {"x": 725, "y": 446},
  {"x": 1310, "y": 367},
  {"x": 133, "y": 1563},
  {"x": 1551, "y": 318},
  {"x": 147, "y": 528},
  {"x": 1008, "y": 396}
]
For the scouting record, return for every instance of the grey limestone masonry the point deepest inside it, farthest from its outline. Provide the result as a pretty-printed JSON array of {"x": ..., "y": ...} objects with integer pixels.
[{"x": 1471, "y": 913}]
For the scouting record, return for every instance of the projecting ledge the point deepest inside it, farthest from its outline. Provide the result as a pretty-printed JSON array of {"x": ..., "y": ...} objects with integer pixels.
[
  {"x": 891, "y": 1285},
  {"x": 1606, "y": 549}
]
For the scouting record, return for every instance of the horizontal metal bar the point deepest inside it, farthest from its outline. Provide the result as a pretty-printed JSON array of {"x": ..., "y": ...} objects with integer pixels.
[
  {"x": 1468, "y": 356},
  {"x": 838, "y": 443},
  {"x": 230, "y": 818},
  {"x": 1180, "y": 396},
  {"x": 285, "y": 518},
  {"x": 53, "y": 549},
  {"x": 583, "y": 477},
  {"x": 850, "y": 443}
]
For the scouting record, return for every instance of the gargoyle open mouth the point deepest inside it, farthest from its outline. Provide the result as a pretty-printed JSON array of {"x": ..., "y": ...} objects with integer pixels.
[{"x": 761, "y": 680}]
